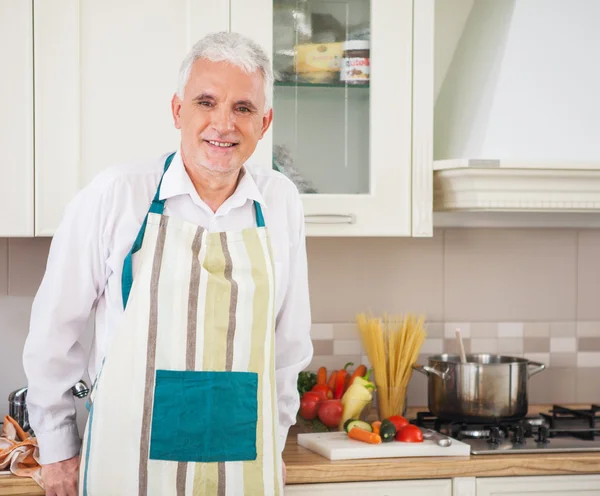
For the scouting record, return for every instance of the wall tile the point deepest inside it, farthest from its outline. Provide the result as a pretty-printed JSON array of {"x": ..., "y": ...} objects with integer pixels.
[
  {"x": 536, "y": 345},
  {"x": 15, "y": 312},
  {"x": 417, "y": 390},
  {"x": 484, "y": 345},
  {"x": 588, "y": 359},
  {"x": 26, "y": 264},
  {"x": 332, "y": 362},
  {"x": 588, "y": 276},
  {"x": 451, "y": 346},
  {"x": 510, "y": 330},
  {"x": 538, "y": 357},
  {"x": 563, "y": 329},
  {"x": 450, "y": 329},
  {"x": 588, "y": 329},
  {"x": 432, "y": 346},
  {"x": 434, "y": 329},
  {"x": 346, "y": 347},
  {"x": 484, "y": 330},
  {"x": 321, "y": 331},
  {"x": 3, "y": 266},
  {"x": 346, "y": 331},
  {"x": 510, "y": 346},
  {"x": 510, "y": 275},
  {"x": 589, "y": 344},
  {"x": 588, "y": 385},
  {"x": 382, "y": 275},
  {"x": 563, "y": 345},
  {"x": 558, "y": 360},
  {"x": 536, "y": 329},
  {"x": 553, "y": 386},
  {"x": 322, "y": 347}
]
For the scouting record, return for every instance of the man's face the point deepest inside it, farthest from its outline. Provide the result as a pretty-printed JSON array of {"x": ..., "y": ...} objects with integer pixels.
[{"x": 221, "y": 116}]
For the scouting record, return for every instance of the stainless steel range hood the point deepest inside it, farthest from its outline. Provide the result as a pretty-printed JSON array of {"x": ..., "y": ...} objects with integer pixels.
[{"x": 517, "y": 116}]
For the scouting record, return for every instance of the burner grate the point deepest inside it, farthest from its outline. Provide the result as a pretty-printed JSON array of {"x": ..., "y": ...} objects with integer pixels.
[{"x": 579, "y": 423}]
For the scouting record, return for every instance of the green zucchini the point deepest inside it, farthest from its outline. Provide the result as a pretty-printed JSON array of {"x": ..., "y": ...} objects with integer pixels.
[
  {"x": 365, "y": 426},
  {"x": 387, "y": 431}
]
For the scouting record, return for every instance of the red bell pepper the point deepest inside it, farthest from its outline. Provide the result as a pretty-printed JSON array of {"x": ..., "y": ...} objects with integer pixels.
[{"x": 340, "y": 381}]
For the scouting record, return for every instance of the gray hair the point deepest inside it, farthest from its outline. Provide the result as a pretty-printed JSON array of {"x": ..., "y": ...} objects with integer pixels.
[{"x": 235, "y": 49}]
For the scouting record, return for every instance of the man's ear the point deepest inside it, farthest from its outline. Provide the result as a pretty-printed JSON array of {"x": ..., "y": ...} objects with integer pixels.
[
  {"x": 175, "y": 110},
  {"x": 266, "y": 123}
]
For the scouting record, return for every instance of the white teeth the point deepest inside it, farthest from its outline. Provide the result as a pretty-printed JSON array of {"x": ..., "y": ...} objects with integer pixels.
[{"x": 223, "y": 145}]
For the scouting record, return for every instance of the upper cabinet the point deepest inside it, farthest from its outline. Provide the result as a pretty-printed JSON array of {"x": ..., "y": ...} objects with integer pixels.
[
  {"x": 517, "y": 110},
  {"x": 105, "y": 73},
  {"x": 353, "y": 102},
  {"x": 353, "y": 109},
  {"x": 16, "y": 118}
]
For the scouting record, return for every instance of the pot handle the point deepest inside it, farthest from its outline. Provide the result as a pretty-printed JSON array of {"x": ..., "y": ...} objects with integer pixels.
[
  {"x": 424, "y": 369},
  {"x": 539, "y": 367}
]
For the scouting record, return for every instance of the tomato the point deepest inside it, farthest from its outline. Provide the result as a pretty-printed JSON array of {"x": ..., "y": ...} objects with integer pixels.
[
  {"x": 410, "y": 434},
  {"x": 398, "y": 422},
  {"x": 309, "y": 404},
  {"x": 323, "y": 391},
  {"x": 330, "y": 412}
]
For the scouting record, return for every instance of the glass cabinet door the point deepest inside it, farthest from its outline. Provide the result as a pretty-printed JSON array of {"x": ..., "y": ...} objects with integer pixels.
[
  {"x": 353, "y": 109},
  {"x": 321, "y": 64}
]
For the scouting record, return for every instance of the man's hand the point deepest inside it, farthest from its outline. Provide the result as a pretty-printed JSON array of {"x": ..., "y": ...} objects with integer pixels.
[
  {"x": 284, "y": 471},
  {"x": 61, "y": 478}
]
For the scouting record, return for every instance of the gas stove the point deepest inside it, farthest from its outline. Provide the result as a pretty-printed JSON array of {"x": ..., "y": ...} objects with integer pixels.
[{"x": 559, "y": 430}]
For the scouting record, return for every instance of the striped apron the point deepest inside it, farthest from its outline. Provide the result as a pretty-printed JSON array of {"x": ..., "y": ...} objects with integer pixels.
[{"x": 185, "y": 401}]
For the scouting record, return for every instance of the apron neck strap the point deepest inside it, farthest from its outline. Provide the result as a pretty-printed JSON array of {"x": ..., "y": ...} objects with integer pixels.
[{"x": 157, "y": 207}]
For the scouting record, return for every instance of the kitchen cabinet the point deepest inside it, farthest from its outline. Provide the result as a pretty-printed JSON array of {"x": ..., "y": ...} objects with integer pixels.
[
  {"x": 360, "y": 153},
  {"x": 16, "y": 118},
  {"x": 534, "y": 486},
  {"x": 93, "y": 83},
  {"x": 105, "y": 73},
  {"x": 441, "y": 487}
]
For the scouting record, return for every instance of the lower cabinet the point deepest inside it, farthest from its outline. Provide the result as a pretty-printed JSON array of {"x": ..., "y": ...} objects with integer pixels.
[
  {"x": 559, "y": 485},
  {"x": 569, "y": 485},
  {"x": 441, "y": 487}
]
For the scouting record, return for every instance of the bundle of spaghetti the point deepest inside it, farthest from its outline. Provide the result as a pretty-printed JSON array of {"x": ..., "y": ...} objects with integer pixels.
[{"x": 392, "y": 345}]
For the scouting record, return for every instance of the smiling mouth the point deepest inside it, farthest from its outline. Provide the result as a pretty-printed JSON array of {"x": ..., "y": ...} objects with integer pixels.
[{"x": 221, "y": 144}]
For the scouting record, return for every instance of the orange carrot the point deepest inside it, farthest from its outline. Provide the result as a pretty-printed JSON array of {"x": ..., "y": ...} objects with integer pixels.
[
  {"x": 331, "y": 381},
  {"x": 322, "y": 375},
  {"x": 376, "y": 426},
  {"x": 360, "y": 371},
  {"x": 364, "y": 436}
]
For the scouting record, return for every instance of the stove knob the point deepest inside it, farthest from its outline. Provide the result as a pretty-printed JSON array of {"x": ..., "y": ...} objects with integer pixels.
[
  {"x": 494, "y": 436},
  {"x": 542, "y": 435},
  {"x": 519, "y": 437}
]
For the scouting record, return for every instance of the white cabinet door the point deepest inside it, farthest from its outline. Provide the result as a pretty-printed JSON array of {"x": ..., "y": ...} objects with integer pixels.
[
  {"x": 441, "y": 487},
  {"x": 16, "y": 118},
  {"x": 362, "y": 153},
  {"x": 105, "y": 74},
  {"x": 572, "y": 485}
]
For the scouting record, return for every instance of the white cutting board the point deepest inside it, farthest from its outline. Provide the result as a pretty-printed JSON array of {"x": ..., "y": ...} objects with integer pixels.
[{"x": 337, "y": 446}]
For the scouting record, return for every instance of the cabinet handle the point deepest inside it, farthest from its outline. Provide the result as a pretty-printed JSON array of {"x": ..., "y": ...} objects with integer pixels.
[{"x": 330, "y": 219}]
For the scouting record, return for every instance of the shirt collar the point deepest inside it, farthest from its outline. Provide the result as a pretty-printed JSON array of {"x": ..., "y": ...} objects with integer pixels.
[{"x": 176, "y": 181}]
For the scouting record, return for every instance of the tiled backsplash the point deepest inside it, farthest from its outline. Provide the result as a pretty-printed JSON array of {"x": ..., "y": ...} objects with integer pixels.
[
  {"x": 512, "y": 291},
  {"x": 570, "y": 351}
]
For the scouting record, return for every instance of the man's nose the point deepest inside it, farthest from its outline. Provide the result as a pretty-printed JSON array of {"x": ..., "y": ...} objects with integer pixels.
[{"x": 223, "y": 121}]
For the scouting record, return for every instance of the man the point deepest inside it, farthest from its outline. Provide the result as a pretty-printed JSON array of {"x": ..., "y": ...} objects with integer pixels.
[{"x": 195, "y": 264}]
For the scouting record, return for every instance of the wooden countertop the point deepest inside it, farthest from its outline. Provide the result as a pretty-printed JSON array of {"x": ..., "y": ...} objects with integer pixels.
[
  {"x": 19, "y": 486},
  {"x": 304, "y": 466}
]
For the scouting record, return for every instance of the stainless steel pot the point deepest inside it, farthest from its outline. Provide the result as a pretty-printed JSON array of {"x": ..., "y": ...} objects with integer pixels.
[{"x": 487, "y": 387}]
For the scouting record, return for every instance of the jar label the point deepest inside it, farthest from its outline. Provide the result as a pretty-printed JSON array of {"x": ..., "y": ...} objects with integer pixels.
[{"x": 355, "y": 69}]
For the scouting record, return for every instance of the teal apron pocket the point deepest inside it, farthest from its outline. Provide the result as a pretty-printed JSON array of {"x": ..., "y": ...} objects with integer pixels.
[{"x": 204, "y": 416}]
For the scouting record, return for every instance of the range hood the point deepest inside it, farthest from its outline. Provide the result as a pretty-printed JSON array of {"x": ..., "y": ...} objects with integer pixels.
[{"x": 517, "y": 115}]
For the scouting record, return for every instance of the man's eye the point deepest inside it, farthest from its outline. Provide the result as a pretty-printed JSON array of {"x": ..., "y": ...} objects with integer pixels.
[
  {"x": 243, "y": 109},
  {"x": 204, "y": 104}
]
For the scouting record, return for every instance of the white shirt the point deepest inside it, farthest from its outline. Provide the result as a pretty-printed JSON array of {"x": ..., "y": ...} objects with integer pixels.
[{"x": 84, "y": 272}]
